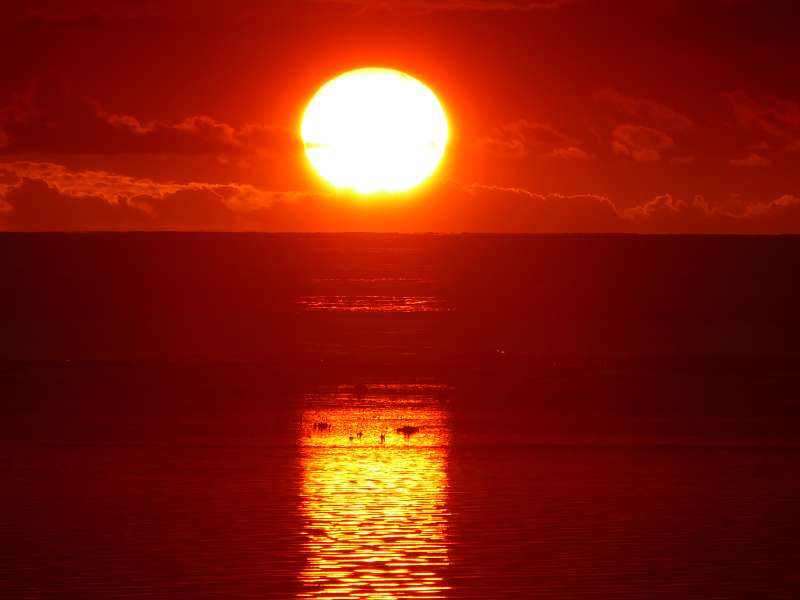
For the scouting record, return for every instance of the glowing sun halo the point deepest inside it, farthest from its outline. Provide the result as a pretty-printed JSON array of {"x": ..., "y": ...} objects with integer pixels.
[{"x": 374, "y": 130}]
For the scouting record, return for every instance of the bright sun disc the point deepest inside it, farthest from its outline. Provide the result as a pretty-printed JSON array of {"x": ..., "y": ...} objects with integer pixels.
[{"x": 374, "y": 130}]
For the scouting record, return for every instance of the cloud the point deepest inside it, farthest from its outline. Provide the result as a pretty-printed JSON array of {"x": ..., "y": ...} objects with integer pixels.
[
  {"x": 642, "y": 144},
  {"x": 34, "y": 205},
  {"x": 775, "y": 117},
  {"x": 752, "y": 161},
  {"x": 570, "y": 153},
  {"x": 645, "y": 110},
  {"x": 667, "y": 214},
  {"x": 428, "y": 6},
  {"x": 592, "y": 212},
  {"x": 650, "y": 127},
  {"x": 47, "y": 196},
  {"x": 505, "y": 209},
  {"x": 102, "y": 13},
  {"x": 114, "y": 188},
  {"x": 509, "y": 209},
  {"x": 783, "y": 206},
  {"x": 54, "y": 122},
  {"x": 86, "y": 12},
  {"x": 522, "y": 138}
]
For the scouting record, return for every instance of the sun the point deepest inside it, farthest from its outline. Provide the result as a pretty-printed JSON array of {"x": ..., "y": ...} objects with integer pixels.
[{"x": 374, "y": 130}]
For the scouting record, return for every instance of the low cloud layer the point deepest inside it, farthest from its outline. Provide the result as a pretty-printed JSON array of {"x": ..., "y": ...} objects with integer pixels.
[{"x": 47, "y": 196}]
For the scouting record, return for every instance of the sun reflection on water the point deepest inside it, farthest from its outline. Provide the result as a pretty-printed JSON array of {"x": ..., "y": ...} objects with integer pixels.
[
  {"x": 373, "y": 304},
  {"x": 374, "y": 493}
]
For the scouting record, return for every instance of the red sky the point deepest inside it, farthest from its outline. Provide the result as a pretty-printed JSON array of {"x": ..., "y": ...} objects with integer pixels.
[{"x": 566, "y": 115}]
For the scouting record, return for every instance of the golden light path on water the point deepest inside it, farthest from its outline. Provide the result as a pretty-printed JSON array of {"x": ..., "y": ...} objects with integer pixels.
[
  {"x": 379, "y": 304},
  {"x": 375, "y": 510}
]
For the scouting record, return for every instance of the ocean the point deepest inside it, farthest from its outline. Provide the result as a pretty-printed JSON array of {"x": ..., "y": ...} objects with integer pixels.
[{"x": 399, "y": 416}]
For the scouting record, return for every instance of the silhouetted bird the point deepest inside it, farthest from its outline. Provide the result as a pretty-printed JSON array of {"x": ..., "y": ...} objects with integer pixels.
[{"x": 408, "y": 430}]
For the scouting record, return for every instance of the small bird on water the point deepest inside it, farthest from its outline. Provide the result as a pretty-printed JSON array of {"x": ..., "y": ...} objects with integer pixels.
[{"x": 408, "y": 430}]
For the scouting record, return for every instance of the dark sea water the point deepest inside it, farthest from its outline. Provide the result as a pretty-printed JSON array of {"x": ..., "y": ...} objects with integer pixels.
[{"x": 505, "y": 417}]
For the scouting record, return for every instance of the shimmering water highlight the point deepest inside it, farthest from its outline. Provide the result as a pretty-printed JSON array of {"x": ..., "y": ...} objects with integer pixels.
[{"x": 373, "y": 500}]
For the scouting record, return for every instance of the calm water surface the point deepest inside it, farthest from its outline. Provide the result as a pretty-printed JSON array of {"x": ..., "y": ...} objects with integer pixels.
[
  {"x": 249, "y": 499},
  {"x": 386, "y": 417}
]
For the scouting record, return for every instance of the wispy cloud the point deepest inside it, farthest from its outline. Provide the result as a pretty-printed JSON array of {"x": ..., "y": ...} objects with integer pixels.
[
  {"x": 642, "y": 144},
  {"x": 752, "y": 161},
  {"x": 49, "y": 121},
  {"x": 645, "y": 111},
  {"x": 661, "y": 214},
  {"x": 523, "y": 138},
  {"x": 776, "y": 118},
  {"x": 428, "y": 6}
]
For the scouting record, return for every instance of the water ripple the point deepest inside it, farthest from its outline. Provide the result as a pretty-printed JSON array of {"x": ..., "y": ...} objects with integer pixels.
[
  {"x": 375, "y": 303},
  {"x": 373, "y": 498}
]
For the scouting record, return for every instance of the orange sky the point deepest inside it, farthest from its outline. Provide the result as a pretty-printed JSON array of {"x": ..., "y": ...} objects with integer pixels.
[{"x": 566, "y": 115}]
